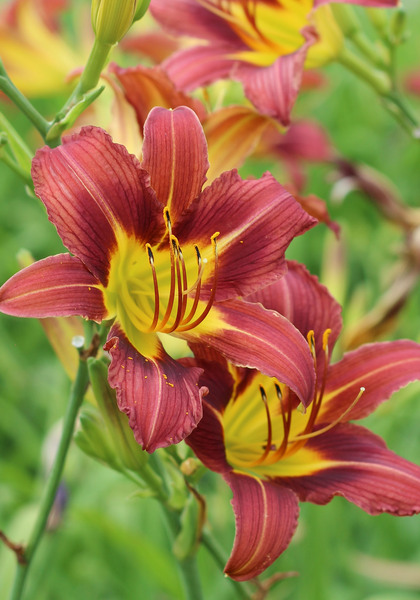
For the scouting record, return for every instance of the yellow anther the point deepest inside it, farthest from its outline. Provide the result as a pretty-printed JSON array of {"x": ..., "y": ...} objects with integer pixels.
[
  {"x": 167, "y": 219},
  {"x": 325, "y": 337},
  {"x": 312, "y": 434},
  {"x": 311, "y": 341}
]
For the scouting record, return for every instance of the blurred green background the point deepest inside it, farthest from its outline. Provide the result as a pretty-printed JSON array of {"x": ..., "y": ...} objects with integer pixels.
[{"x": 109, "y": 544}]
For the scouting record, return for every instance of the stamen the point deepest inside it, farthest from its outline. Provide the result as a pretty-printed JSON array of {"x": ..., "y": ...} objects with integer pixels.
[
  {"x": 167, "y": 219},
  {"x": 173, "y": 272},
  {"x": 287, "y": 420},
  {"x": 325, "y": 337},
  {"x": 184, "y": 281},
  {"x": 155, "y": 286},
  {"x": 316, "y": 403},
  {"x": 313, "y": 434},
  {"x": 201, "y": 264},
  {"x": 268, "y": 447},
  {"x": 178, "y": 317},
  {"x": 197, "y": 284},
  {"x": 269, "y": 426},
  {"x": 206, "y": 311},
  {"x": 311, "y": 341}
]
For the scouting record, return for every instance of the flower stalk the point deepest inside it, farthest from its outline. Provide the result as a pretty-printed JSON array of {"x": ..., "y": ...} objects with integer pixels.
[
  {"x": 11, "y": 91},
  {"x": 76, "y": 398}
]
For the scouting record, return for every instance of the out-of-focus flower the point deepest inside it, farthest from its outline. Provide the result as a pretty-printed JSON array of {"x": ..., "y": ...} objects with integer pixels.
[
  {"x": 304, "y": 141},
  {"x": 412, "y": 82},
  {"x": 232, "y": 132},
  {"x": 264, "y": 45},
  {"x": 158, "y": 256},
  {"x": 272, "y": 454},
  {"x": 35, "y": 54}
]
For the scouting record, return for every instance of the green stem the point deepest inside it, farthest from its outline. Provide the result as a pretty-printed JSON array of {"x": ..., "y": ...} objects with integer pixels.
[
  {"x": 220, "y": 559},
  {"x": 188, "y": 567},
  {"x": 93, "y": 69},
  {"x": 378, "y": 80},
  {"x": 382, "y": 83},
  {"x": 11, "y": 91},
  {"x": 88, "y": 80},
  {"x": 367, "y": 48},
  {"x": 76, "y": 398},
  {"x": 17, "y": 145},
  {"x": 7, "y": 160}
]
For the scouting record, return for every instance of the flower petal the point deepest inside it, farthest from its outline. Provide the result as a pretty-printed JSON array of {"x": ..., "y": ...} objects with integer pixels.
[
  {"x": 304, "y": 140},
  {"x": 189, "y": 17},
  {"x": 232, "y": 134},
  {"x": 60, "y": 332},
  {"x": 175, "y": 156},
  {"x": 274, "y": 89},
  {"x": 145, "y": 88},
  {"x": 155, "y": 45},
  {"x": 355, "y": 463},
  {"x": 57, "y": 286},
  {"x": 318, "y": 208},
  {"x": 207, "y": 439},
  {"x": 304, "y": 302},
  {"x": 266, "y": 519},
  {"x": 257, "y": 220},
  {"x": 201, "y": 65},
  {"x": 92, "y": 189},
  {"x": 380, "y": 368},
  {"x": 160, "y": 396},
  {"x": 250, "y": 336}
]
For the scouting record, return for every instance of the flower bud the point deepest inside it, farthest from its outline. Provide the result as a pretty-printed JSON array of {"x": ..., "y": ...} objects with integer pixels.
[
  {"x": 111, "y": 19},
  {"x": 105, "y": 434}
]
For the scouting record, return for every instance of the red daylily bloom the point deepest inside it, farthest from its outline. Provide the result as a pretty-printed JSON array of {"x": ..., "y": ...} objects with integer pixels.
[
  {"x": 264, "y": 45},
  {"x": 272, "y": 455},
  {"x": 157, "y": 255}
]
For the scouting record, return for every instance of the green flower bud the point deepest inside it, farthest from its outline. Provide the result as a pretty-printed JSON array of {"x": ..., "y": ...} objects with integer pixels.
[
  {"x": 191, "y": 521},
  {"x": 398, "y": 25},
  {"x": 115, "y": 429},
  {"x": 142, "y": 6},
  {"x": 111, "y": 19},
  {"x": 93, "y": 439}
]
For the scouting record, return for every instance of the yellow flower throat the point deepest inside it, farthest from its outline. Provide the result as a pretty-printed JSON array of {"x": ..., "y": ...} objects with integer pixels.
[
  {"x": 266, "y": 430},
  {"x": 160, "y": 288},
  {"x": 273, "y": 28}
]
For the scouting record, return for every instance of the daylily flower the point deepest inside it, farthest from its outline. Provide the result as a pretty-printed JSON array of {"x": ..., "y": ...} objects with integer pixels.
[
  {"x": 155, "y": 255},
  {"x": 272, "y": 454},
  {"x": 264, "y": 45},
  {"x": 36, "y": 56}
]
